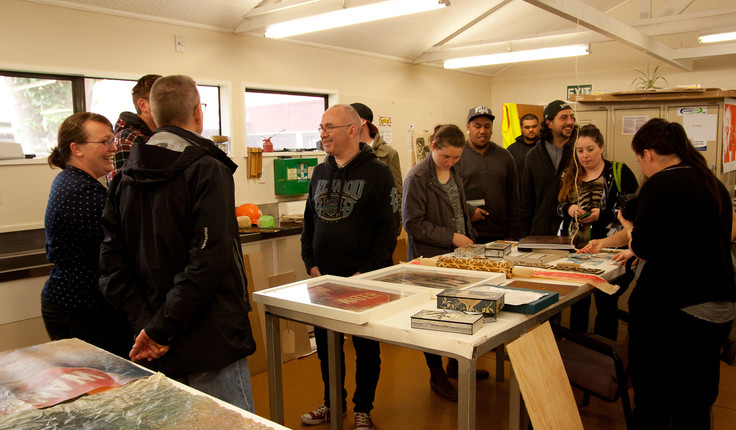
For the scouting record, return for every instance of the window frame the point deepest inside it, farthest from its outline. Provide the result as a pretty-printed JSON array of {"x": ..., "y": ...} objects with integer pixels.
[
  {"x": 79, "y": 101},
  {"x": 330, "y": 98}
]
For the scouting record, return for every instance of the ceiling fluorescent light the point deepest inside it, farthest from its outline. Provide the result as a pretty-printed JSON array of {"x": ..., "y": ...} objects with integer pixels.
[
  {"x": 718, "y": 37},
  {"x": 518, "y": 56},
  {"x": 352, "y": 15}
]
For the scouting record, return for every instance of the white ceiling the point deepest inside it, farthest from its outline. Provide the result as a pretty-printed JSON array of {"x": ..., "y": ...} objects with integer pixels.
[{"x": 665, "y": 30}]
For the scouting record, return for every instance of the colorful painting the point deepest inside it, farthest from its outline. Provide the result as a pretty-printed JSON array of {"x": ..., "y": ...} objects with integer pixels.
[{"x": 351, "y": 300}]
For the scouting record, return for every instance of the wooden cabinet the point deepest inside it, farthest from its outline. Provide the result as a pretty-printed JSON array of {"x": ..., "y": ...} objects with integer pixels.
[{"x": 617, "y": 116}]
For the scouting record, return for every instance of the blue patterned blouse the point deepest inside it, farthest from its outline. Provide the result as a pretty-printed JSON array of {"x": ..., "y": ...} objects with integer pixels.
[{"x": 73, "y": 238}]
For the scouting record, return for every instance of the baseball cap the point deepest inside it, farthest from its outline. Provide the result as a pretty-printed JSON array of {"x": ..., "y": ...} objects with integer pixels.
[
  {"x": 367, "y": 114},
  {"x": 552, "y": 109},
  {"x": 480, "y": 111}
]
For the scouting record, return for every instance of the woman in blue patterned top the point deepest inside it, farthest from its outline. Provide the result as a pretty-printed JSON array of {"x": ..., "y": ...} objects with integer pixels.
[{"x": 71, "y": 302}]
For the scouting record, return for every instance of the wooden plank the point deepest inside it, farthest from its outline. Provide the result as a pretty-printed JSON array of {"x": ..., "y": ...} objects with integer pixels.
[
  {"x": 544, "y": 286},
  {"x": 255, "y": 271},
  {"x": 543, "y": 382}
]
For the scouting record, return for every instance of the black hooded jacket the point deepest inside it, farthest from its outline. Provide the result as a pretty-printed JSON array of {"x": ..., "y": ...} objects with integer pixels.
[
  {"x": 351, "y": 216},
  {"x": 171, "y": 259}
]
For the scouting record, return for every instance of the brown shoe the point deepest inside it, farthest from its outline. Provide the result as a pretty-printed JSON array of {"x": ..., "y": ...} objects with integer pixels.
[
  {"x": 480, "y": 374},
  {"x": 441, "y": 385}
]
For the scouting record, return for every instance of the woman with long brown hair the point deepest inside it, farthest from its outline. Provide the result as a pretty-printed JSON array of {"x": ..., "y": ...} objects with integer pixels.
[{"x": 589, "y": 193}]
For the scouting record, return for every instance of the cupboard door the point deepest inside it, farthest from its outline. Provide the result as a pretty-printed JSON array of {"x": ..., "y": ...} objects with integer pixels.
[{"x": 626, "y": 122}]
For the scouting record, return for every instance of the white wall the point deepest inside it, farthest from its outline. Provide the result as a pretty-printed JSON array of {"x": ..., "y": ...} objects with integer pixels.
[
  {"x": 609, "y": 68},
  {"x": 39, "y": 37},
  {"x": 43, "y": 38}
]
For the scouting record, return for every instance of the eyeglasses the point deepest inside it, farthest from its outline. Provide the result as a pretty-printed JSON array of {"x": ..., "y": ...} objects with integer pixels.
[
  {"x": 108, "y": 143},
  {"x": 328, "y": 128},
  {"x": 204, "y": 107}
]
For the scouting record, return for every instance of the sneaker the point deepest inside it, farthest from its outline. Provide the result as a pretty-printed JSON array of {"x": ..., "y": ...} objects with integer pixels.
[
  {"x": 363, "y": 421},
  {"x": 318, "y": 416}
]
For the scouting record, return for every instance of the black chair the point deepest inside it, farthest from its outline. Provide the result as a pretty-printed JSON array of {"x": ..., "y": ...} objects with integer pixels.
[{"x": 597, "y": 365}]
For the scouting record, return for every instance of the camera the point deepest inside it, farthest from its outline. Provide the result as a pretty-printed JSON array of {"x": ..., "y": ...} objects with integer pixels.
[{"x": 627, "y": 205}]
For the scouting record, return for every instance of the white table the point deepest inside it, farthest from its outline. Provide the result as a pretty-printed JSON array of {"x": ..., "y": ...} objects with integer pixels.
[{"x": 396, "y": 329}]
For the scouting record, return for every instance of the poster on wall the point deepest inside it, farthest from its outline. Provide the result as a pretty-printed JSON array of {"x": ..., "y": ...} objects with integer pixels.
[
  {"x": 632, "y": 123},
  {"x": 700, "y": 126},
  {"x": 729, "y": 135},
  {"x": 384, "y": 127}
]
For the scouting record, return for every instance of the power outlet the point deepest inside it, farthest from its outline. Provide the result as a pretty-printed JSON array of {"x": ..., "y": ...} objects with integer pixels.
[{"x": 179, "y": 43}]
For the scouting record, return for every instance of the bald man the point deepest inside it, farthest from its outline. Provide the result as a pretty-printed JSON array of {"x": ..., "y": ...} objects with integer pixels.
[{"x": 349, "y": 228}]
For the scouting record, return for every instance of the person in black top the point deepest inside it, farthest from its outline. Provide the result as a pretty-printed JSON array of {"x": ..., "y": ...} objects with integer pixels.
[
  {"x": 524, "y": 142},
  {"x": 349, "y": 227},
  {"x": 171, "y": 260},
  {"x": 591, "y": 186},
  {"x": 682, "y": 306},
  {"x": 71, "y": 302}
]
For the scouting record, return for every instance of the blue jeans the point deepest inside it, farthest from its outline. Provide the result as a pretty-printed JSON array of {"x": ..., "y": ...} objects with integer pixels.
[{"x": 230, "y": 384}]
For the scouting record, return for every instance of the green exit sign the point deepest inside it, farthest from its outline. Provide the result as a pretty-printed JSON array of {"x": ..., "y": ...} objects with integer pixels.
[{"x": 579, "y": 89}]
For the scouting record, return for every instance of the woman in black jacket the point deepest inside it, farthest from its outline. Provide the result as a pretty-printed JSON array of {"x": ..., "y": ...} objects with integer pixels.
[
  {"x": 436, "y": 222},
  {"x": 681, "y": 308}
]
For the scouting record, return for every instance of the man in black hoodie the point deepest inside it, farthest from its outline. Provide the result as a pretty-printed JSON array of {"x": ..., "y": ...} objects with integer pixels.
[
  {"x": 349, "y": 228},
  {"x": 171, "y": 260}
]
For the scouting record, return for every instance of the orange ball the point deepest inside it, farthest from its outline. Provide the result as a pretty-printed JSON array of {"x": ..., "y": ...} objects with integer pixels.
[{"x": 250, "y": 210}]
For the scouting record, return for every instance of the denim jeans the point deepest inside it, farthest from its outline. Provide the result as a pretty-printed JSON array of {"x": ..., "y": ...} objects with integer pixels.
[{"x": 230, "y": 384}]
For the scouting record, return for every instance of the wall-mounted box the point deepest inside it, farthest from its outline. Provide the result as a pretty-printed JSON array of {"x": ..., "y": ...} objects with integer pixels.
[{"x": 292, "y": 175}]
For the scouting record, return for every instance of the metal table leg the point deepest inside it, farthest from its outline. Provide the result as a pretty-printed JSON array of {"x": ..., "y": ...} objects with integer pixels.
[
  {"x": 275, "y": 382},
  {"x": 466, "y": 394},
  {"x": 500, "y": 357},
  {"x": 333, "y": 354},
  {"x": 514, "y": 402}
]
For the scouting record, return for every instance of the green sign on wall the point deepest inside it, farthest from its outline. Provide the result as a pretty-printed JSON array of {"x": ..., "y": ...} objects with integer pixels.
[{"x": 579, "y": 89}]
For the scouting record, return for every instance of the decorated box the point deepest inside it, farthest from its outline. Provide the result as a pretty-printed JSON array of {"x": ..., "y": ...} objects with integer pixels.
[
  {"x": 447, "y": 320},
  {"x": 471, "y": 300}
]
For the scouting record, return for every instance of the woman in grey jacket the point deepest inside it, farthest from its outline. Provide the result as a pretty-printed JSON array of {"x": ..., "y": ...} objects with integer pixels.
[{"x": 435, "y": 220}]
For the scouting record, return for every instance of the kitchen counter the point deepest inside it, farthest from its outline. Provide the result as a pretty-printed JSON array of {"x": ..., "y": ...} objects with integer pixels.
[{"x": 27, "y": 261}]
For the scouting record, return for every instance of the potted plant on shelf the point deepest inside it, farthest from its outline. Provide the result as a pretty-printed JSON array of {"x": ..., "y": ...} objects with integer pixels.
[{"x": 647, "y": 81}]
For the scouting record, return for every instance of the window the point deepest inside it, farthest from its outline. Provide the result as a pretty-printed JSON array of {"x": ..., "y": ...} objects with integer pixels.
[
  {"x": 290, "y": 119},
  {"x": 33, "y": 106}
]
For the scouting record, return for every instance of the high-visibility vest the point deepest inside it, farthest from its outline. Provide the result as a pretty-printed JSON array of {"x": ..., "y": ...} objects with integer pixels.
[{"x": 510, "y": 127}]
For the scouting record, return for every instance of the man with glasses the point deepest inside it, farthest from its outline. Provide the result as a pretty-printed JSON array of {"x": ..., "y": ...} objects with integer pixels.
[
  {"x": 134, "y": 127},
  {"x": 349, "y": 228},
  {"x": 171, "y": 259}
]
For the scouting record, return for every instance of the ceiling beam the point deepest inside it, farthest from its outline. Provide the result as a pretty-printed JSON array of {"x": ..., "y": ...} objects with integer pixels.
[
  {"x": 592, "y": 18},
  {"x": 674, "y": 7},
  {"x": 478, "y": 19},
  {"x": 706, "y": 51},
  {"x": 692, "y": 22}
]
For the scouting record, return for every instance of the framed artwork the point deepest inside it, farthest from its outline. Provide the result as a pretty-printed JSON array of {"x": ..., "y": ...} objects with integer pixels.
[
  {"x": 432, "y": 277},
  {"x": 351, "y": 300}
]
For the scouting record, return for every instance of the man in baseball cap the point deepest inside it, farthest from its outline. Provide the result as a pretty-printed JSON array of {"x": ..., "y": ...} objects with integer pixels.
[
  {"x": 543, "y": 170},
  {"x": 385, "y": 153}
]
